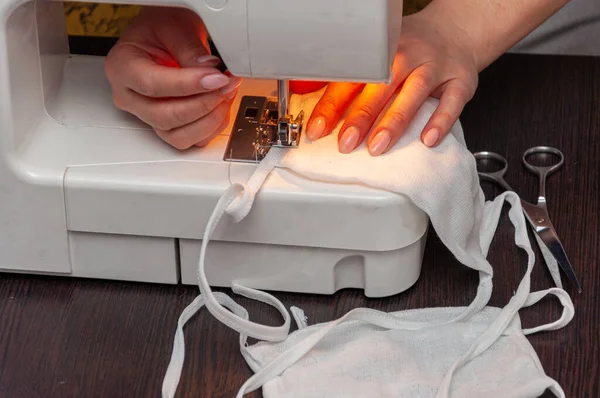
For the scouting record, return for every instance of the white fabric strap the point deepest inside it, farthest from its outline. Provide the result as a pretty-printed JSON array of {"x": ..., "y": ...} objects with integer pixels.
[
  {"x": 171, "y": 379},
  {"x": 522, "y": 298},
  {"x": 518, "y": 300},
  {"x": 235, "y": 322},
  {"x": 241, "y": 206},
  {"x": 237, "y": 201},
  {"x": 567, "y": 314},
  {"x": 486, "y": 240},
  {"x": 238, "y": 207}
]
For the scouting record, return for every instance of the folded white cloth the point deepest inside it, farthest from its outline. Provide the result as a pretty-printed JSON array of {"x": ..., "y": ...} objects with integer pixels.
[{"x": 354, "y": 355}]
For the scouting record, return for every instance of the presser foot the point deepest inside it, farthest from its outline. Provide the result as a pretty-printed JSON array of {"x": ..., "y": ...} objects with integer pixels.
[{"x": 258, "y": 127}]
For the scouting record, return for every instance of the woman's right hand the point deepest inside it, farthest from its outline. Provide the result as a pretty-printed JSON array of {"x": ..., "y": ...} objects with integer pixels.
[{"x": 161, "y": 71}]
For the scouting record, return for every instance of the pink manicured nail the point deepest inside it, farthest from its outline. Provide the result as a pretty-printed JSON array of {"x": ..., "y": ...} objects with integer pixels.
[
  {"x": 209, "y": 60},
  {"x": 214, "y": 81},
  {"x": 431, "y": 137},
  {"x": 348, "y": 140},
  {"x": 316, "y": 128},
  {"x": 233, "y": 85},
  {"x": 380, "y": 142}
]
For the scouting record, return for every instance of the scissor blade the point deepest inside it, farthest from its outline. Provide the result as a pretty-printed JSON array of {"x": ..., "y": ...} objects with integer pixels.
[
  {"x": 540, "y": 222},
  {"x": 550, "y": 238}
]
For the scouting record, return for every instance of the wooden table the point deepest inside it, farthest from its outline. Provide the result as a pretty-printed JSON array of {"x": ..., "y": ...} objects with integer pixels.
[{"x": 84, "y": 338}]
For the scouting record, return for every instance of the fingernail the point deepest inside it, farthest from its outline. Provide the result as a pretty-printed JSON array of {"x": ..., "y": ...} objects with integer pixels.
[
  {"x": 316, "y": 128},
  {"x": 233, "y": 85},
  {"x": 380, "y": 142},
  {"x": 348, "y": 140},
  {"x": 209, "y": 60},
  {"x": 431, "y": 137},
  {"x": 214, "y": 81}
]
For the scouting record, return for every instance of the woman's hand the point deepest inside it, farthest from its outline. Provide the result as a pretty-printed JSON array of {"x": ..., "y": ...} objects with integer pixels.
[
  {"x": 432, "y": 60},
  {"x": 162, "y": 72}
]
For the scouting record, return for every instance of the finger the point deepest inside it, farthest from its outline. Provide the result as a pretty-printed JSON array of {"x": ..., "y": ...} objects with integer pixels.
[
  {"x": 363, "y": 114},
  {"x": 186, "y": 44},
  {"x": 452, "y": 102},
  {"x": 170, "y": 113},
  {"x": 133, "y": 68},
  {"x": 330, "y": 108},
  {"x": 217, "y": 131},
  {"x": 415, "y": 90},
  {"x": 186, "y": 136},
  {"x": 165, "y": 59}
]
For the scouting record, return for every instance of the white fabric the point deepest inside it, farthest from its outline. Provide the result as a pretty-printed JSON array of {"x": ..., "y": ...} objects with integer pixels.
[
  {"x": 370, "y": 361},
  {"x": 460, "y": 345}
]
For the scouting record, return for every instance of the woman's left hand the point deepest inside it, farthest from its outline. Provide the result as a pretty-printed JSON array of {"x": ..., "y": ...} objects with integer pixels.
[{"x": 433, "y": 59}]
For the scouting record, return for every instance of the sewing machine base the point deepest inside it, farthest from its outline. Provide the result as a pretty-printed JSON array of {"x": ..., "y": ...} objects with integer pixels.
[
  {"x": 260, "y": 266},
  {"x": 305, "y": 269}
]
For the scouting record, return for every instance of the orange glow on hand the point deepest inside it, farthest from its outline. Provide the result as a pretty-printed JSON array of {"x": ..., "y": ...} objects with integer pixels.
[
  {"x": 167, "y": 61},
  {"x": 305, "y": 87}
]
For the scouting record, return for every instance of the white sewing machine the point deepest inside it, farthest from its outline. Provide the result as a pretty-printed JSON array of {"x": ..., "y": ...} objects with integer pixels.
[{"x": 89, "y": 191}]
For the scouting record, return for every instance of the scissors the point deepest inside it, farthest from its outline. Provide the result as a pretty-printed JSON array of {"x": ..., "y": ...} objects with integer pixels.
[{"x": 536, "y": 215}]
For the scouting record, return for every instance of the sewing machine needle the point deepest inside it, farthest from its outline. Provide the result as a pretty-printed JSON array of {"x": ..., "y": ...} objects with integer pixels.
[{"x": 283, "y": 97}]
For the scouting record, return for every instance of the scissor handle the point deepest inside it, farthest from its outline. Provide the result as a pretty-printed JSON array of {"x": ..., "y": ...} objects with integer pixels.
[
  {"x": 485, "y": 155},
  {"x": 543, "y": 171},
  {"x": 496, "y": 176}
]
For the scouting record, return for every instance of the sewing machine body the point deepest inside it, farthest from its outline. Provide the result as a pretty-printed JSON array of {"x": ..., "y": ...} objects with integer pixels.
[{"x": 89, "y": 191}]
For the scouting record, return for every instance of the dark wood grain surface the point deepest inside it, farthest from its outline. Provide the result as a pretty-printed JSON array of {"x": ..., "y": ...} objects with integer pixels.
[{"x": 87, "y": 338}]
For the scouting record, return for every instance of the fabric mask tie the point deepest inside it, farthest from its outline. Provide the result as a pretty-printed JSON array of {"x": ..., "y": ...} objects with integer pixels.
[
  {"x": 173, "y": 374},
  {"x": 237, "y": 201},
  {"x": 567, "y": 314},
  {"x": 231, "y": 203},
  {"x": 521, "y": 299},
  {"x": 239, "y": 208}
]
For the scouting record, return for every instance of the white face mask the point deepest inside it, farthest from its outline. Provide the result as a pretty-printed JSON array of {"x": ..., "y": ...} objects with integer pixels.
[
  {"x": 441, "y": 352},
  {"x": 359, "y": 359}
]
